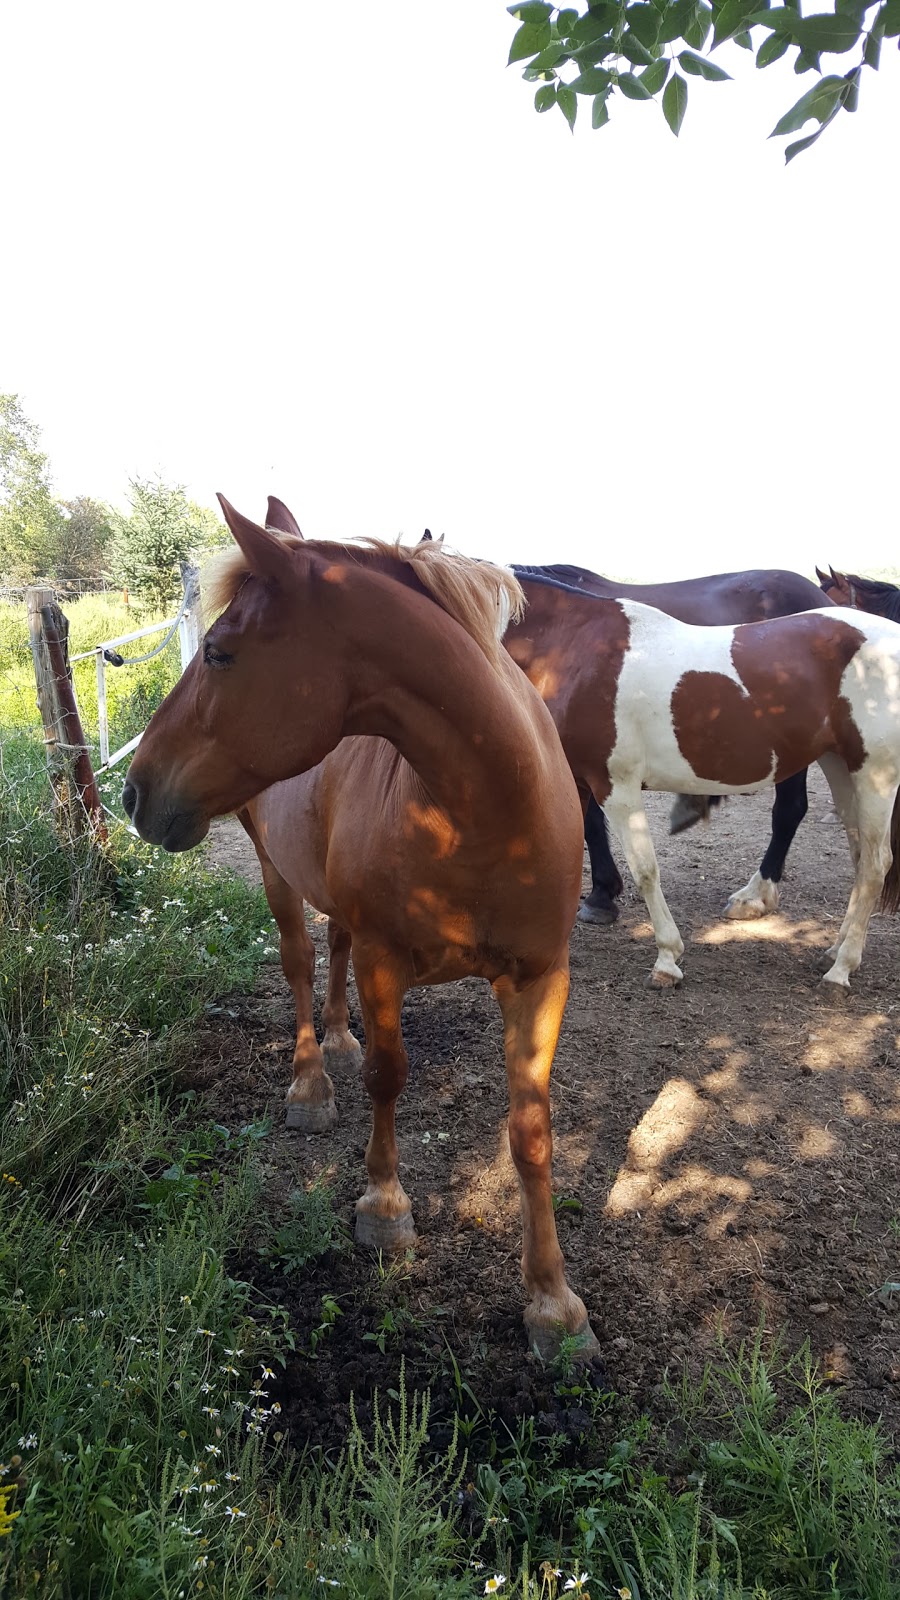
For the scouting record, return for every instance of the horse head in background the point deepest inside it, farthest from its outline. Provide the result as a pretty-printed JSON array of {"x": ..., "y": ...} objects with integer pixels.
[{"x": 875, "y": 595}]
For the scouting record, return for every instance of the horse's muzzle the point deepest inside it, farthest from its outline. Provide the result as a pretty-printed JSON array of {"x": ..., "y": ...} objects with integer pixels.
[{"x": 172, "y": 827}]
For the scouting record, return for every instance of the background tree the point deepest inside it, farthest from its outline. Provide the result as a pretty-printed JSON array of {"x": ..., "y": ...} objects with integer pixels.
[
  {"x": 163, "y": 530},
  {"x": 609, "y": 47},
  {"x": 30, "y": 518},
  {"x": 84, "y": 540}
]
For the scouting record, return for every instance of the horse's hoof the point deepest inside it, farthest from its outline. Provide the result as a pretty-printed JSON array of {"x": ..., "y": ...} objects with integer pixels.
[
  {"x": 340, "y": 1049},
  {"x": 662, "y": 982},
  {"x": 390, "y": 1234},
  {"x": 825, "y": 959},
  {"x": 600, "y": 916},
  {"x": 744, "y": 910},
  {"x": 546, "y": 1340},
  {"x": 308, "y": 1118},
  {"x": 831, "y": 989}
]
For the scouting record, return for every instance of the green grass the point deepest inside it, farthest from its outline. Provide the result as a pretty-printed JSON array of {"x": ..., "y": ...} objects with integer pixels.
[{"x": 143, "y": 1449}]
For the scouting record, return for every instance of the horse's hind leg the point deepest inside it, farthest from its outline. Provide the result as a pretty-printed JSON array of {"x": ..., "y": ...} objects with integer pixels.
[
  {"x": 759, "y": 897},
  {"x": 628, "y": 820},
  {"x": 383, "y": 1214},
  {"x": 873, "y": 820},
  {"x": 531, "y": 1022},
  {"x": 599, "y": 906},
  {"x": 310, "y": 1098},
  {"x": 338, "y": 1046}
]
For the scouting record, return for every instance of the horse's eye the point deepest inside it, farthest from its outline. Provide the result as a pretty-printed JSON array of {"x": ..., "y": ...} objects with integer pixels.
[{"x": 216, "y": 658}]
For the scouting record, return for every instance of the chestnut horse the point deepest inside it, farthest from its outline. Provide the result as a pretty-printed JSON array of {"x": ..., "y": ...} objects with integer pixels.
[
  {"x": 395, "y": 769},
  {"x": 875, "y": 595},
  {"x": 644, "y": 701},
  {"x": 725, "y": 597}
]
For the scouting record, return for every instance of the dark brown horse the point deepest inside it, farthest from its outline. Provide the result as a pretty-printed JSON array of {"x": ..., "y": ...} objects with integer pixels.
[
  {"x": 394, "y": 768},
  {"x": 643, "y": 701},
  {"x": 726, "y": 597},
  {"x": 875, "y": 595}
]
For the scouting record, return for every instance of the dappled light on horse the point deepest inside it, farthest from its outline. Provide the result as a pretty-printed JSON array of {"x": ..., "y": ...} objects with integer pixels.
[
  {"x": 649, "y": 702},
  {"x": 395, "y": 769}
]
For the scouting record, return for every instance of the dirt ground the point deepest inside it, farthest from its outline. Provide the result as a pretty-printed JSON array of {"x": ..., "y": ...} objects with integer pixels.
[{"x": 729, "y": 1149}]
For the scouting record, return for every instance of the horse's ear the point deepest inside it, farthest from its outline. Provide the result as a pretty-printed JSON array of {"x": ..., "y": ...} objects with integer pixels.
[
  {"x": 266, "y": 554},
  {"x": 426, "y": 537},
  {"x": 825, "y": 583},
  {"x": 278, "y": 516}
]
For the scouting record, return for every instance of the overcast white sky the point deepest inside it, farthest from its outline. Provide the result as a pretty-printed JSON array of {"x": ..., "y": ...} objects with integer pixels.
[{"x": 331, "y": 252}]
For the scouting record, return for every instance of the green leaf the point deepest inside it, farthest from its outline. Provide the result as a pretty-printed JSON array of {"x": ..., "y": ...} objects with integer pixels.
[
  {"x": 889, "y": 17},
  {"x": 633, "y": 51},
  {"x": 591, "y": 82},
  {"x": 645, "y": 22},
  {"x": 566, "y": 21},
  {"x": 567, "y": 100},
  {"x": 743, "y": 39},
  {"x": 674, "y": 20},
  {"x": 697, "y": 29},
  {"x": 531, "y": 11},
  {"x": 654, "y": 77},
  {"x": 853, "y": 8},
  {"x": 699, "y": 67},
  {"x": 772, "y": 49},
  {"x": 872, "y": 52},
  {"x": 807, "y": 62},
  {"x": 832, "y": 33},
  {"x": 595, "y": 24},
  {"x": 632, "y": 88},
  {"x": 802, "y": 144},
  {"x": 599, "y": 112},
  {"x": 530, "y": 38},
  {"x": 551, "y": 57},
  {"x": 545, "y": 97},
  {"x": 674, "y": 103},
  {"x": 780, "y": 19},
  {"x": 732, "y": 19},
  {"x": 818, "y": 102},
  {"x": 851, "y": 98}
]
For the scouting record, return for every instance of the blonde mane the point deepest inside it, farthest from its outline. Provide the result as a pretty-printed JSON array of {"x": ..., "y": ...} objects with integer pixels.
[{"x": 481, "y": 597}]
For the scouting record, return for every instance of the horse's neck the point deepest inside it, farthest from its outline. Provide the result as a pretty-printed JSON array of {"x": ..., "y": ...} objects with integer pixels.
[{"x": 458, "y": 720}]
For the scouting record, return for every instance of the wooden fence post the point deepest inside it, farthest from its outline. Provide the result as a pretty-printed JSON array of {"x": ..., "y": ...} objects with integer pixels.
[{"x": 75, "y": 794}]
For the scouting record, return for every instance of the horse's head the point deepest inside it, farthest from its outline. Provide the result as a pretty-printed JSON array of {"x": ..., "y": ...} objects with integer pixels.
[
  {"x": 838, "y": 587},
  {"x": 263, "y": 699}
]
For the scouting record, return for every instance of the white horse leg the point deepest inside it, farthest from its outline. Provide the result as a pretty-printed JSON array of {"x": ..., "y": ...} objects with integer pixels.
[
  {"x": 873, "y": 819},
  {"x": 843, "y": 793},
  {"x": 628, "y": 820}
]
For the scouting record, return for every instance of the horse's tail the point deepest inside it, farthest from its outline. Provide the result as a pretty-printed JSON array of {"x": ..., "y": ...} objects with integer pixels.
[{"x": 890, "y": 893}]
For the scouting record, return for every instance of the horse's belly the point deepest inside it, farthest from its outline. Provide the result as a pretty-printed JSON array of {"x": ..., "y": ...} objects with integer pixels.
[{"x": 684, "y": 720}]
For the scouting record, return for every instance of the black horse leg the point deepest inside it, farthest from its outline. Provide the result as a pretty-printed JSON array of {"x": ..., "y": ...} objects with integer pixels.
[
  {"x": 760, "y": 895},
  {"x": 606, "y": 883}
]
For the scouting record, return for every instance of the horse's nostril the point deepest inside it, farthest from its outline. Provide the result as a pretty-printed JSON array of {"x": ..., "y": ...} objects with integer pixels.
[{"x": 129, "y": 799}]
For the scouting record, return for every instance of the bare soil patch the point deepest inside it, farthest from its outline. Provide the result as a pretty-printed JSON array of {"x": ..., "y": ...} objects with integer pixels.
[{"x": 729, "y": 1149}]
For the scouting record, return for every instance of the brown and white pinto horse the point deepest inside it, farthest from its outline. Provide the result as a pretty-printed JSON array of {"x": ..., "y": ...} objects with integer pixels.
[
  {"x": 644, "y": 701},
  {"x": 394, "y": 768},
  {"x": 724, "y": 597}
]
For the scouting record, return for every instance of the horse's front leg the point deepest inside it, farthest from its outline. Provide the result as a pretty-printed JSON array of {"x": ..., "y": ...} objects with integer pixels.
[
  {"x": 531, "y": 1022},
  {"x": 383, "y": 1214},
  {"x": 874, "y": 812},
  {"x": 628, "y": 820},
  {"x": 310, "y": 1097}
]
